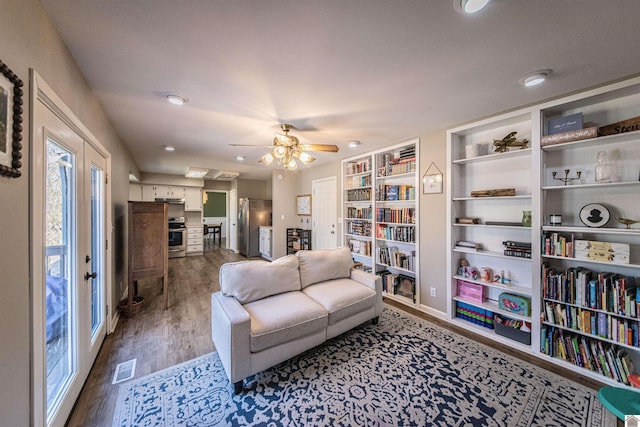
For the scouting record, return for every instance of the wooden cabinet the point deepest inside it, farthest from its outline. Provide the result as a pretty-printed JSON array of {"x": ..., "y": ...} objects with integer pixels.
[
  {"x": 148, "y": 239},
  {"x": 265, "y": 242},
  {"x": 194, "y": 240},
  {"x": 298, "y": 239},
  {"x": 193, "y": 199},
  {"x": 152, "y": 191}
]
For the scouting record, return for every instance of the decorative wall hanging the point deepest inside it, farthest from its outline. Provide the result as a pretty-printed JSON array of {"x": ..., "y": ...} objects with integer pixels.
[
  {"x": 432, "y": 180},
  {"x": 304, "y": 204},
  {"x": 10, "y": 122}
]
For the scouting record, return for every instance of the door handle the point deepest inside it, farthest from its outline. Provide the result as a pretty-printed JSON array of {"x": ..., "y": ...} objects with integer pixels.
[{"x": 88, "y": 276}]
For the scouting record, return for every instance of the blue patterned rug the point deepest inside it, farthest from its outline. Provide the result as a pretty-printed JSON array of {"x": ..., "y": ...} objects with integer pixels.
[{"x": 403, "y": 372}]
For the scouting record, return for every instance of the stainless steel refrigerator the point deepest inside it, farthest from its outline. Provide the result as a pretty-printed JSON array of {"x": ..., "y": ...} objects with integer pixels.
[{"x": 252, "y": 214}]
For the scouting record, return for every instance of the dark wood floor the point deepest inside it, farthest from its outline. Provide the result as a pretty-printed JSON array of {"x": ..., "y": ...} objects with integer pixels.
[
  {"x": 157, "y": 338},
  {"x": 160, "y": 338}
]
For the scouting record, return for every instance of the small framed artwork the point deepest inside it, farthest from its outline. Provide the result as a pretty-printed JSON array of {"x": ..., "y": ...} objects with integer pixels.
[
  {"x": 10, "y": 122},
  {"x": 303, "y": 204},
  {"x": 432, "y": 180}
]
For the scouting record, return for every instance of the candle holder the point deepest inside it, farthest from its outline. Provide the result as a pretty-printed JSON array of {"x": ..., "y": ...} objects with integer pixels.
[{"x": 566, "y": 176}]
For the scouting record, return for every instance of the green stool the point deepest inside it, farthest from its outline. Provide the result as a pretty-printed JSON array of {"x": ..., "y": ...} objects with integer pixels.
[{"x": 620, "y": 401}]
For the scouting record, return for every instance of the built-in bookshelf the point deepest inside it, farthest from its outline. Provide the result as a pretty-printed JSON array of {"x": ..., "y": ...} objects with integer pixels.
[
  {"x": 576, "y": 262},
  {"x": 380, "y": 217},
  {"x": 590, "y": 260},
  {"x": 492, "y": 228}
]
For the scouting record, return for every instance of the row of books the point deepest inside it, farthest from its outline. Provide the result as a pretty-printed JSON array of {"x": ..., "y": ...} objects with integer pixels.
[
  {"x": 360, "y": 213},
  {"x": 359, "y": 227},
  {"x": 397, "y": 166},
  {"x": 606, "y": 291},
  {"x": 395, "y": 192},
  {"x": 361, "y": 247},
  {"x": 360, "y": 166},
  {"x": 517, "y": 249},
  {"x": 358, "y": 181},
  {"x": 401, "y": 215},
  {"x": 399, "y": 233},
  {"x": 398, "y": 284},
  {"x": 557, "y": 244},
  {"x": 392, "y": 257},
  {"x": 359, "y": 194},
  {"x": 624, "y": 331},
  {"x": 607, "y": 360}
]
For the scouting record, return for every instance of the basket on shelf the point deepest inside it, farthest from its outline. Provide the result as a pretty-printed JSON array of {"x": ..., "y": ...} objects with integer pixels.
[{"x": 123, "y": 305}]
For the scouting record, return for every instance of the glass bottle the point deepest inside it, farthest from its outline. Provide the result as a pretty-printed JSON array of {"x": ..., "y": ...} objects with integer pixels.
[{"x": 603, "y": 167}]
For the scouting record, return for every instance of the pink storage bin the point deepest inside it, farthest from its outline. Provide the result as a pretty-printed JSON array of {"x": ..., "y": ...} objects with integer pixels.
[{"x": 470, "y": 291}]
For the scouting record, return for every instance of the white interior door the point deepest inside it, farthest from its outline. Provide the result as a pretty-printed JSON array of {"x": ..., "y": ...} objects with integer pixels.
[
  {"x": 323, "y": 209},
  {"x": 69, "y": 261}
]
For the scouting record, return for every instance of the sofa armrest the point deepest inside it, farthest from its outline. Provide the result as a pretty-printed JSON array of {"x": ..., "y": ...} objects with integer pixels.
[
  {"x": 371, "y": 280},
  {"x": 231, "y": 333}
]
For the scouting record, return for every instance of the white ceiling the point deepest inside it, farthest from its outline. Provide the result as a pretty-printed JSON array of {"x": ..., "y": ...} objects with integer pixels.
[{"x": 378, "y": 71}]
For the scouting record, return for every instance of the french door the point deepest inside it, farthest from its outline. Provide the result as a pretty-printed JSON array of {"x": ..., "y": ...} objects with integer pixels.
[{"x": 69, "y": 218}]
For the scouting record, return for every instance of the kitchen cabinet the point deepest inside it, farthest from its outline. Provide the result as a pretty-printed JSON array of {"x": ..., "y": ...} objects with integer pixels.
[
  {"x": 193, "y": 199},
  {"x": 265, "y": 242},
  {"x": 194, "y": 240}
]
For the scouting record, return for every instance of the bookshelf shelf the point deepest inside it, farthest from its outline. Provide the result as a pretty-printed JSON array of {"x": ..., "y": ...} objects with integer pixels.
[
  {"x": 493, "y": 307},
  {"x": 480, "y": 330},
  {"x": 392, "y": 173},
  {"x": 494, "y": 156},
  {"x": 588, "y": 261},
  {"x": 517, "y": 196},
  {"x": 494, "y": 254},
  {"x": 518, "y": 289}
]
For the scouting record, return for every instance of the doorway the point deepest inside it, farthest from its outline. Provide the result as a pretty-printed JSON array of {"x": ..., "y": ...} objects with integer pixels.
[
  {"x": 215, "y": 213},
  {"x": 70, "y": 267}
]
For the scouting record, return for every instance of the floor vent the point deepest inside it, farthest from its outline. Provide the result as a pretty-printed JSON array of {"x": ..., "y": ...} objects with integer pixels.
[{"x": 124, "y": 371}]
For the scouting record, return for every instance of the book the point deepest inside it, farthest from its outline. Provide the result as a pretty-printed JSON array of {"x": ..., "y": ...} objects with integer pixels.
[
  {"x": 569, "y": 136},
  {"x": 629, "y": 125}
]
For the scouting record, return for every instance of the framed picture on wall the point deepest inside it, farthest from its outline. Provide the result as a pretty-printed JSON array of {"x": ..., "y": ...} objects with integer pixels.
[
  {"x": 303, "y": 204},
  {"x": 10, "y": 122}
]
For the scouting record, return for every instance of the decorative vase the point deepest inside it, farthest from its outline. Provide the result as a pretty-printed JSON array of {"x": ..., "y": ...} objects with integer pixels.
[
  {"x": 603, "y": 167},
  {"x": 526, "y": 218}
]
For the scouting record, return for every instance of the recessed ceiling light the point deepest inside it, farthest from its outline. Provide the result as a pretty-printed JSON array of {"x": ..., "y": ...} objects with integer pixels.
[
  {"x": 469, "y": 6},
  {"x": 354, "y": 143},
  {"x": 535, "y": 78},
  {"x": 169, "y": 148},
  {"x": 176, "y": 99},
  {"x": 240, "y": 158}
]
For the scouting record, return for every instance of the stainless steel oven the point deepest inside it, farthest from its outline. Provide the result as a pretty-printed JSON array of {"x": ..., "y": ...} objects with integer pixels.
[{"x": 177, "y": 237}]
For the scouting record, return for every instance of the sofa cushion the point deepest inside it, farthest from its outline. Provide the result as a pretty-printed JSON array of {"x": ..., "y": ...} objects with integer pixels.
[
  {"x": 342, "y": 298},
  {"x": 252, "y": 280},
  {"x": 282, "y": 318},
  {"x": 324, "y": 264}
]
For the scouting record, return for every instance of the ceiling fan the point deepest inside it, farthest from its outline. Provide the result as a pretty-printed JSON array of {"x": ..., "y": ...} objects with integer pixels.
[{"x": 287, "y": 148}]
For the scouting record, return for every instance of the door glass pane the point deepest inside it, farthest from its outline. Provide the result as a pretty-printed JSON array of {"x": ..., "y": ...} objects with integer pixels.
[
  {"x": 59, "y": 271},
  {"x": 97, "y": 249}
]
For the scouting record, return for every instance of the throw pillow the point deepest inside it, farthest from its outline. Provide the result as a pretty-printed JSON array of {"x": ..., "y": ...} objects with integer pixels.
[
  {"x": 249, "y": 281},
  {"x": 324, "y": 264}
]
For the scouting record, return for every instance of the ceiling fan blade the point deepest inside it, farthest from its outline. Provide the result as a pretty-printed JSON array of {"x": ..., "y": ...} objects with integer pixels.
[
  {"x": 320, "y": 147},
  {"x": 249, "y": 145}
]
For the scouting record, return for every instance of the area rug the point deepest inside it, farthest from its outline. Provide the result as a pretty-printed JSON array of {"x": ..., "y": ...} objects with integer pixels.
[{"x": 404, "y": 371}]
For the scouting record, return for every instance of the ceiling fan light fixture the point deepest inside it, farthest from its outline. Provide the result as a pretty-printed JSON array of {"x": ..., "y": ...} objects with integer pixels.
[
  {"x": 535, "y": 78},
  {"x": 306, "y": 158},
  {"x": 469, "y": 6},
  {"x": 279, "y": 152},
  {"x": 267, "y": 159},
  {"x": 292, "y": 165}
]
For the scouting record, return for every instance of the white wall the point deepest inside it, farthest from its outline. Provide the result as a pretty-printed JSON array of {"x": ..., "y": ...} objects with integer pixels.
[{"x": 30, "y": 41}]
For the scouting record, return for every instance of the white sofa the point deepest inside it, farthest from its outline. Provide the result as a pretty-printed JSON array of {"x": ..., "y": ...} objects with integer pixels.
[{"x": 267, "y": 312}]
